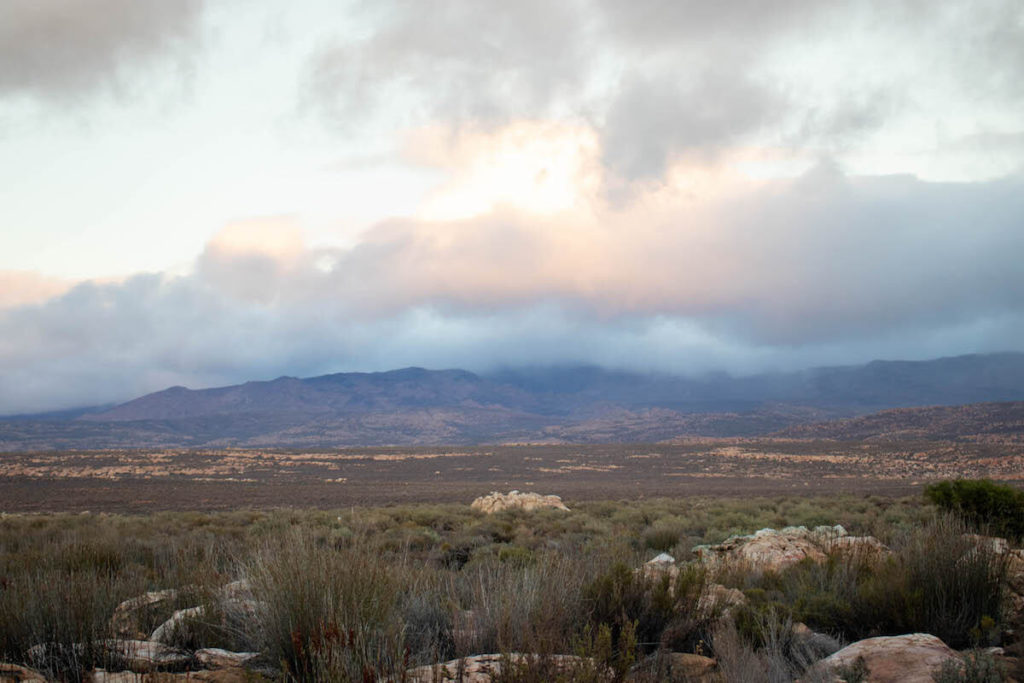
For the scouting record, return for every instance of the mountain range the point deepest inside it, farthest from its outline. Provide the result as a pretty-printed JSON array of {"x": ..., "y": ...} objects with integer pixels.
[{"x": 562, "y": 404}]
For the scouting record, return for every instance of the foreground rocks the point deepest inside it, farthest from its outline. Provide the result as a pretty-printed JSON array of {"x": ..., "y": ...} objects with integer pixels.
[
  {"x": 496, "y": 501},
  {"x": 773, "y": 550},
  {"x": 911, "y": 658},
  {"x": 12, "y": 673},
  {"x": 484, "y": 668}
]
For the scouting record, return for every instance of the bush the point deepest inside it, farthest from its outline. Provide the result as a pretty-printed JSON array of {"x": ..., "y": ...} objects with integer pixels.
[
  {"x": 936, "y": 581},
  {"x": 988, "y": 507},
  {"x": 976, "y": 667}
]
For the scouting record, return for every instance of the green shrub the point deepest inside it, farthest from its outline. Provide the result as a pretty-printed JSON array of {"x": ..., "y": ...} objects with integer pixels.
[
  {"x": 975, "y": 667},
  {"x": 988, "y": 507}
]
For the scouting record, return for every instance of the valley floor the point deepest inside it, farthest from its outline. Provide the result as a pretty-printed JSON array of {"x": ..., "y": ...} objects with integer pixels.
[{"x": 203, "y": 479}]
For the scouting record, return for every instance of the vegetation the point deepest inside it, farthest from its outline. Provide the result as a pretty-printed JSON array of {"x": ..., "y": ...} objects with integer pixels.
[
  {"x": 989, "y": 507},
  {"x": 364, "y": 593}
]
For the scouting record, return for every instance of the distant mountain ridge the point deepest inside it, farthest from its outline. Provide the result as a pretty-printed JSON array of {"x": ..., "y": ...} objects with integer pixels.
[{"x": 418, "y": 406}]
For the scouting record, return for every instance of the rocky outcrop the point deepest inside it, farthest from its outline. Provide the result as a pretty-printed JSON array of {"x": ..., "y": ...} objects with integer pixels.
[
  {"x": 772, "y": 550},
  {"x": 514, "y": 500},
  {"x": 12, "y": 673},
  {"x": 911, "y": 658},
  {"x": 484, "y": 668},
  {"x": 130, "y": 616},
  {"x": 215, "y": 658},
  {"x": 719, "y": 601}
]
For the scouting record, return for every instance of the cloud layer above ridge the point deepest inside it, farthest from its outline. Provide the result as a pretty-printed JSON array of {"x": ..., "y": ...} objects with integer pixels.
[{"x": 666, "y": 186}]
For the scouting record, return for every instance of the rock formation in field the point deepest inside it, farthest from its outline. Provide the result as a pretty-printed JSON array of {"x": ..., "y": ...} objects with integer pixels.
[
  {"x": 911, "y": 658},
  {"x": 485, "y": 668},
  {"x": 772, "y": 550},
  {"x": 514, "y": 500}
]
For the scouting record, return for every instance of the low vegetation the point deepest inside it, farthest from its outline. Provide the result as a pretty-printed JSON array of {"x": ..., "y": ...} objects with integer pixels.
[{"x": 368, "y": 593}]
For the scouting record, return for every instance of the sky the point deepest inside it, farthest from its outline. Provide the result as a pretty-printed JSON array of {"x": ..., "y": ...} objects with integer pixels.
[{"x": 204, "y": 192}]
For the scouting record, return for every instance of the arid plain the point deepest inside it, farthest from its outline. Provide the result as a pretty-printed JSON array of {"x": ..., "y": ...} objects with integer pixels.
[{"x": 169, "y": 479}]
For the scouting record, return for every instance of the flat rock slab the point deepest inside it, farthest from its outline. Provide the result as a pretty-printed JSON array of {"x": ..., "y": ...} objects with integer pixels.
[
  {"x": 12, "y": 673},
  {"x": 911, "y": 658}
]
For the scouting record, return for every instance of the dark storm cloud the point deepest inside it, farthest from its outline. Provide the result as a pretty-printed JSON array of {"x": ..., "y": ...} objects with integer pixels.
[{"x": 57, "y": 49}]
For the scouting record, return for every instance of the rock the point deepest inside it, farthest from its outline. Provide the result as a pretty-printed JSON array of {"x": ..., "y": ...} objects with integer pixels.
[
  {"x": 12, "y": 673},
  {"x": 129, "y": 615},
  {"x": 233, "y": 675},
  {"x": 664, "y": 559},
  {"x": 663, "y": 564},
  {"x": 994, "y": 544},
  {"x": 165, "y": 631},
  {"x": 911, "y": 658},
  {"x": 142, "y": 656},
  {"x": 514, "y": 500},
  {"x": 691, "y": 667},
  {"x": 867, "y": 547},
  {"x": 772, "y": 550},
  {"x": 675, "y": 667},
  {"x": 483, "y": 668},
  {"x": 229, "y": 613},
  {"x": 819, "y": 644},
  {"x": 719, "y": 599},
  {"x": 215, "y": 658}
]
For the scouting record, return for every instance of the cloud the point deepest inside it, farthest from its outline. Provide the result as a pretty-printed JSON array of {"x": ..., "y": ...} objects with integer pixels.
[
  {"x": 22, "y": 287},
  {"x": 61, "y": 49},
  {"x": 743, "y": 276},
  {"x": 662, "y": 79}
]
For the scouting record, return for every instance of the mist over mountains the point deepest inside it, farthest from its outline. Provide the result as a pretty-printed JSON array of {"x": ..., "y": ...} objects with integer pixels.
[{"x": 565, "y": 404}]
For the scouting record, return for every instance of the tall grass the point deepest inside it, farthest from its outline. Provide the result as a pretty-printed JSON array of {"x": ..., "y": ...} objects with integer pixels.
[{"x": 368, "y": 593}]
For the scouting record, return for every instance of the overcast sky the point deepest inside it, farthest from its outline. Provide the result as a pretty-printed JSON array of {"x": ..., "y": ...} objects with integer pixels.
[{"x": 203, "y": 192}]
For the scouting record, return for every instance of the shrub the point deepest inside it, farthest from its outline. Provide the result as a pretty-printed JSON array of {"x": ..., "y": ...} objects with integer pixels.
[
  {"x": 975, "y": 667},
  {"x": 987, "y": 506}
]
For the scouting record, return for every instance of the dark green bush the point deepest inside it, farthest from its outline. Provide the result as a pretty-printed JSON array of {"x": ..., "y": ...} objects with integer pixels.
[{"x": 987, "y": 506}]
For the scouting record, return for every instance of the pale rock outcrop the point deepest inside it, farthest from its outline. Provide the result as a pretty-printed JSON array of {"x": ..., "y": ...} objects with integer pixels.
[
  {"x": 496, "y": 501},
  {"x": 129, "y": 615},
  {"x": 12, "y": 673},
  {"x": 143, "y": 656},
  {"x": 165, "y": 631},
  {"x": 216, "y": 658},
  {"x": 675, "y": 667},
  {"x": 232, "y": 611},
  {"x": 233, "y": 675},
  {"x": 719, "y": 600},
  {"x": 772, "y": 550},
  {"x": 911, "y": 658},
  {"x": 662, "y": 565},
  {"x": 483, "y": 668}
]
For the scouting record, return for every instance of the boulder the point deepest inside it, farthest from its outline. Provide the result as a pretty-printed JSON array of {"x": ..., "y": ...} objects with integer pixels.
[
  {"x": 231, "y": 612},
  {"x": 717, "y": 599},
  {"x": 130, "y": 615},
  {"x": 484, "y": 668},
  {"x": 514, "y": 500},
  {"x": 12, "y": 673},
  {"x": 772, "y": 550},
  {"x": 1015, "y": 583},
  {"x": 663, "y": 564},
  {"x": 165, "y": 631},
  {"x": 217, "y": 676},
  {"x": 911, "y": 658},
  {"x": 215, "y": 658},
  {"x": 142, "y": 656},
  {"x": 675, "y": 667}
]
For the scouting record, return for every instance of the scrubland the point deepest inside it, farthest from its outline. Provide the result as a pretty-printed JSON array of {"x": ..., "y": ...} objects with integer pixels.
[{"x": 370, "y": 593}]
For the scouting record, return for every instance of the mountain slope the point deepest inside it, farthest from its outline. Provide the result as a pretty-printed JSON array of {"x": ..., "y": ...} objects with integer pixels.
[
  {"x": 979, "y": 420},
  {"x": 580, "y": 404}
]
